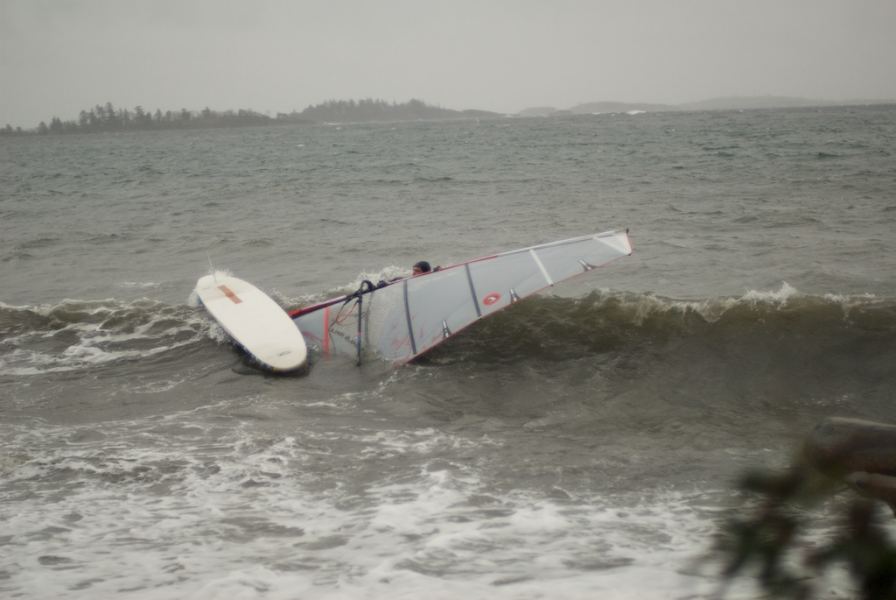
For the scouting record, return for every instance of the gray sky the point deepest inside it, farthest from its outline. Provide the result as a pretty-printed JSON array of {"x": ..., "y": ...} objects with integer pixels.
[{"x": 58, "y": 57}]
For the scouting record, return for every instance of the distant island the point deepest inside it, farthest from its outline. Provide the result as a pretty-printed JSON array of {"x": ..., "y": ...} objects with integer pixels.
[
  {"x": 107, "y": 118},
  {"x": 732, "y": 103}
]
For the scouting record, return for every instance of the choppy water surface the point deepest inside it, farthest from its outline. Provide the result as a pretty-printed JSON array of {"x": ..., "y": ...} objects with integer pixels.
[{"x": 580, "y": 444}]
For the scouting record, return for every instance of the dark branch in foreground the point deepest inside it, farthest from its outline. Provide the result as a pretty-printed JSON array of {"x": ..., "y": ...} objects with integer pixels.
[{"x": 840, "y": 454}]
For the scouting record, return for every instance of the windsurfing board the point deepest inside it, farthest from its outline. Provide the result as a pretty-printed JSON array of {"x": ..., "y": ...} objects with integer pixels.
[{"x": 254, "y": 321}]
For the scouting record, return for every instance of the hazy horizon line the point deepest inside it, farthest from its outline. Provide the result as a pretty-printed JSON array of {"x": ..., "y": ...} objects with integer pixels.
[{"x": 806, "y": 101}]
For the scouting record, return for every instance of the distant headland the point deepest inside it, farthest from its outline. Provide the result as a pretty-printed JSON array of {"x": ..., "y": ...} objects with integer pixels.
[
  {"x": 108, "y": 118},
  {"x": 730, "y": 103}
]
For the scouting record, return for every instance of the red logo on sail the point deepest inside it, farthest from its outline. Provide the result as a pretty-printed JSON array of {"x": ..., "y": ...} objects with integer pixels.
[{"x": 491, "y": 298}]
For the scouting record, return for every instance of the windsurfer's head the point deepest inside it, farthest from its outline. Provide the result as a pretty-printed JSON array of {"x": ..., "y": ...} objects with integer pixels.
[{"x": 421, "y": 267}]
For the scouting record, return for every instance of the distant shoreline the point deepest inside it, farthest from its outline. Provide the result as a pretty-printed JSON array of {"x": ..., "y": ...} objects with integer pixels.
[
  {"x": 106, "y": 118},
  {"x": 715, "y": 104}
]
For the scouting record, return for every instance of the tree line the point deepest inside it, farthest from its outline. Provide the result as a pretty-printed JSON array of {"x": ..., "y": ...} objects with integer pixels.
[
  {"x": 105, "y": 118},
  {"x": 108, "y": 118},
  {"x": 380, "y": 110}
]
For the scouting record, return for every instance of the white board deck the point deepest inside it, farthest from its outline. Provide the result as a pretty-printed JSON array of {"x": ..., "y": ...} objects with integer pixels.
[{"x": 254, "y": 321}]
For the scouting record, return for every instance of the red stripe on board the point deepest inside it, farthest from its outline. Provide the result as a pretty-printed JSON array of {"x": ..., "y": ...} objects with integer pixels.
[{"x": 229, "y": 293}]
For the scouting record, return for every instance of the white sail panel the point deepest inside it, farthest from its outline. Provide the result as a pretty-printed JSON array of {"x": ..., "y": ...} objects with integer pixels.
[
  {"x": 506, "y": 278},
  {"x": 439, "y": 304},
  {"x": 563, "y": 260}
]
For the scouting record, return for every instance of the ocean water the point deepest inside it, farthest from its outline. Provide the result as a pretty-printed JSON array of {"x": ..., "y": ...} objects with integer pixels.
[{"x": 582, "y": 444}]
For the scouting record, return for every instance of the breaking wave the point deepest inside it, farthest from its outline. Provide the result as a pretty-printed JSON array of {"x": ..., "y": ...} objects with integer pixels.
[
  {"x": 607, "y": 321},
  {"x": 78, "y": 334}
]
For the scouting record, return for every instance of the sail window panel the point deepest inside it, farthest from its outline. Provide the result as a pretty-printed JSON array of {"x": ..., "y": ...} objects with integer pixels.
[
  {"x": 312, "y": 327},
  {"x": 333, "y": 329},
  {"x": 440, "y": 304},
  {"x": 617, "y": 242},
  {"x": 386, "y": 324},
  {"x": 506, "y": 278},
  {"x": 601, "y": 250}
]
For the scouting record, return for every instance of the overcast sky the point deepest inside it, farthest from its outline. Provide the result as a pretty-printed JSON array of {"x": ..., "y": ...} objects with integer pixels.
[{"x": 58, "y": 57}]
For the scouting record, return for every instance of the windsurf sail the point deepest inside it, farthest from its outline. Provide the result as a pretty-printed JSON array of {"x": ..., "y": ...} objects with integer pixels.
[{"x": 404, "y": 319}]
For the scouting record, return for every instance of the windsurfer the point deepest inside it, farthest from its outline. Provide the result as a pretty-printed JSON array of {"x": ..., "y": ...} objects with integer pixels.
[{"x": 421, "y": 267}]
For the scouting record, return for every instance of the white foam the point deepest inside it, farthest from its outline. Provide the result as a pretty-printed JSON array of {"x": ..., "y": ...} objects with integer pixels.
[
  {"x": 713, "y": 309},
  {"x": 148, "y": 329},
  {"x": 79, "y": 356},
  {"x": 140, "y": 285},
  {"x": 193, "y": 299},
  {"x": 181, "y": 507},
  {"x": 783, "y": 294}
]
